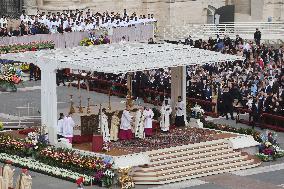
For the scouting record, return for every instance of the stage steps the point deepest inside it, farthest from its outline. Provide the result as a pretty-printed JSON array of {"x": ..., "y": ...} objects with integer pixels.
[{"x": 192, "y": 161}]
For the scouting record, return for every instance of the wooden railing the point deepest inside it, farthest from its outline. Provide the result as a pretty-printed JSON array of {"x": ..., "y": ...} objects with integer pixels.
[{"x": 266, "y": 120}]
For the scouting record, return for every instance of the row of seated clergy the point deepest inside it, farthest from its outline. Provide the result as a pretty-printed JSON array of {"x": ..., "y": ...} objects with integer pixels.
[
  {"x": 24, "y": 180},
  {"x": 136, "y": 124}
]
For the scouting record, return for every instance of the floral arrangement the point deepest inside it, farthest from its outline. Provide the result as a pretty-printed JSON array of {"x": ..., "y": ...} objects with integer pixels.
[
  {"x": 210, "y": 125},
  {"x": 197, "y": 112},
  {"x": 11, "y": 73},
  {"x": 95, "y": 40},
  {"x": 269, "y": 149},
  {"x": 34, "y": 46},
  {"x": 34, "y": 148},
  {"x": 106, "y": 147},
  {"x": 25, "y": 67},
  {"x": 108, "y": 178},
  {"x": 44, "y": 168},
  {"x": 68, "y": 158},
  {"x": 1, "y": 126}
]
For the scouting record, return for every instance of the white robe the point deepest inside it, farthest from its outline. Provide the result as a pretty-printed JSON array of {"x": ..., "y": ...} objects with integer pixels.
[
  {"x": 24, "y": 182},
  {"x": 68, "y": 125},
  {"x": 114, "y": 128},
  {"x": 60, "y": 124},
  {"x": 104, "y": 128},
  {"x": 3, "y": 183},
  {"x": 125, "y": 120},
  {"x": 148, "y": 114},
  {"x": 139, "y": 125},
  {"x": 180, "y": 108},
  {"x": 166, "y": 111},
  {"x": 8, "y": 174}
]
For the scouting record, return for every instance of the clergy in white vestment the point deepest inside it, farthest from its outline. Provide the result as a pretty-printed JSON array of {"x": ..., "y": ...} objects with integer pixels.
[
  {"x": 3, "y": 183},
  {"x": 60, "y": 123},
  {"x": 125, "y": 132},
  {"x": 68, "y": 126},
  {"x": 24, "y": 180},
  {"x": 139, "y": 123},
  {"x": 8, "y": 174},
  {"x": 180, "y": 110},
  {"x": 148, "y": 114},
  {"x": 104, "y": 126},
  {"x": 166, "y": 111},
  {"x": 114, "y": 127}
]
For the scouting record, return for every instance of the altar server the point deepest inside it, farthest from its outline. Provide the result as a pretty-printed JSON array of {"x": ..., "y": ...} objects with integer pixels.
[
  {"x": 8, "y": 174},
  {"x": 24, "y": 180},
  {"x": 125, "y": 132},
  {"x": 68, "y": 126},
  {"x": 114, "y": 127},
  {"x": 148, "y": 114},
  {"x": 139, "y": 123},
  {"x": 166, "y": 111},
  {"x": 104, "y": 126},
  {"x": 180, "y": 111},
  {"x": 60, "y": 123}
]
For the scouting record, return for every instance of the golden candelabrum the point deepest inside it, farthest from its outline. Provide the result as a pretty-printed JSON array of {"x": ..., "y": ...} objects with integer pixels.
[
  {"x": 109, "y": 94},
  {"x": 129, "y": 100},
  {"x": 88, "y": 108},
  {"x": 125, "y": 180},
  {"x": 80, "y": 105},
  {"x": 72, "y": 109}
]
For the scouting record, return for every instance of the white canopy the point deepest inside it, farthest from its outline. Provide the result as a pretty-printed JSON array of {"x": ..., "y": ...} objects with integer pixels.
[
  {"x": 112, "y": 58},
  {"x": 121, "y": 58}
]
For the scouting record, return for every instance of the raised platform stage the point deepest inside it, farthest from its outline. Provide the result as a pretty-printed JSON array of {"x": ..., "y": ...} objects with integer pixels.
[{"x": 180, "y": 155}]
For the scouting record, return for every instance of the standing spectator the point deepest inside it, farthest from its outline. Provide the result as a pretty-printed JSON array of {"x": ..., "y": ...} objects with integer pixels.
[
  {"x": 227, "y": 100},
  {"x": 257, "y": 36}
]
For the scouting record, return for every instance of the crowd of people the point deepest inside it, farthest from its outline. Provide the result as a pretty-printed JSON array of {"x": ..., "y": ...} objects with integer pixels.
[
  {"x": 69, "y": 21},
  {"x": 256, "y": 83}
]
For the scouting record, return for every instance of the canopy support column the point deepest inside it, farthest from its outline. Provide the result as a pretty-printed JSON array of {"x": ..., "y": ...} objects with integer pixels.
[
  {"x": 178, "y": 86},
  {"x": 49, "y": 103}
]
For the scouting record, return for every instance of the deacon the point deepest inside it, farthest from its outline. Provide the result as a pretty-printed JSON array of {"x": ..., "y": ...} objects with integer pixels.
[
  {"x": 166, "y": 111},
  {"x": 68, "y": 126},
  {"x": 24, "y": 180},
  {"x": 180, "y": 110},
  {"x": 104, "y": 126},
  {"x": 8, "y": 174},
  {"x": 139, "y": 123},
  {"x": 125, "y": 132},
  {"x": 148, "y": 114},
  {"x": 114, "y": 127}
]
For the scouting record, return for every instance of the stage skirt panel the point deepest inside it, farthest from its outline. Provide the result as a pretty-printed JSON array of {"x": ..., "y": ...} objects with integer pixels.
[
  {"x": 125, "y": 134},
  {"x": 148, "y": 132}
]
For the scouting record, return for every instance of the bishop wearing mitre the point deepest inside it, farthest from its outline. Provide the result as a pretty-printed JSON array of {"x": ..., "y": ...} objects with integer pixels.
[
  {"x": 24, "y": 180},
  {"x": 166, "y": 111},
  {"x": 8, "y": 174},
  {"x": 139, "y": 123},
  {"x": 125, "y": 132}
]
